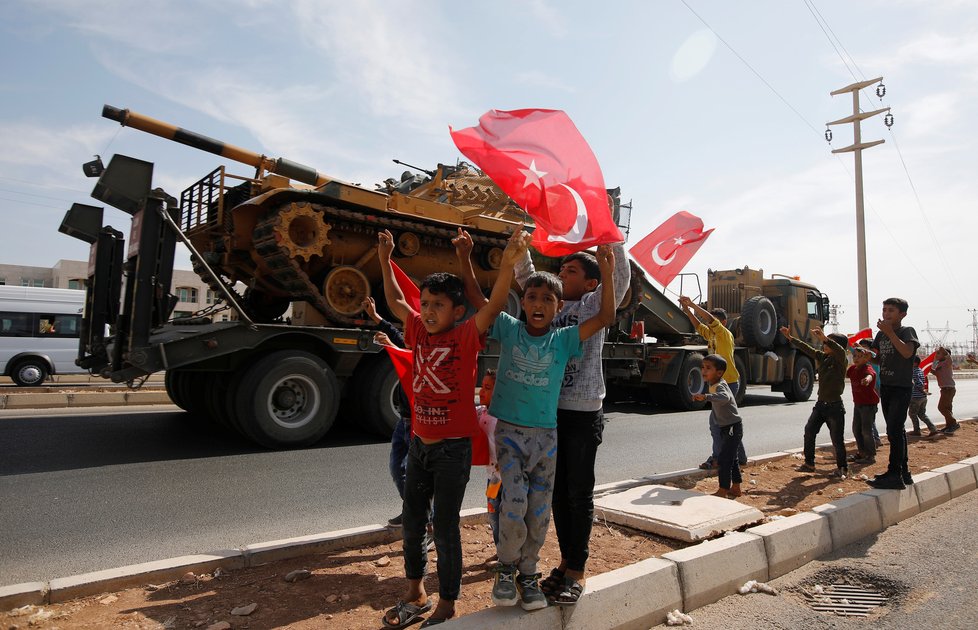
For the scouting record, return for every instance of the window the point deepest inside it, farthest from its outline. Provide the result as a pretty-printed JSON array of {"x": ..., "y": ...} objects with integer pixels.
[
  {"x": 212, "y": 297},
  {"x": 28, "y": 282},
  {"x": 181, "y": 314},
  {"x": 57, "y": 325},
  {"x": 76, "y": 284},
  {"x": 15, "y": 324},
  {"x": 187, "y": 294},
  {"x": 815, "y": 306},
  {"x": 3, "y": 281}
]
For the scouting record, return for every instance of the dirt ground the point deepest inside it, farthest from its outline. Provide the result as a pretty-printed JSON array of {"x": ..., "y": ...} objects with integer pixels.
[{"x": 350, "y": 589}]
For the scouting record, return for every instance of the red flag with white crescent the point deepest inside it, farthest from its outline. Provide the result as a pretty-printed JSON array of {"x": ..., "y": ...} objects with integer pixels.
[
  {"x": 927, "y": 362},
  {"x": 665, "y": 252},
  {"x": 412, "y": 295},
  {"x": 865, "y": 333},
  {"x": 539, "y": 158}
]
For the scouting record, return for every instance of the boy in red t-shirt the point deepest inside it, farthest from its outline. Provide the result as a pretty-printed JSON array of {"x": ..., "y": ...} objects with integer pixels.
[
  {"x": 862, "y": 379},
  {"x": 444, "y": 421}
]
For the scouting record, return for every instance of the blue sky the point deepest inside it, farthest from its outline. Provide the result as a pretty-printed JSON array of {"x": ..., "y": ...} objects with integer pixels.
[{"x": 709, "y": 106}]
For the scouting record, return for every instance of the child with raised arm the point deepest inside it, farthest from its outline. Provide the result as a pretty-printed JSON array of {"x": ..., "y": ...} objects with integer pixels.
[
  {"x": 831, "y": 366},
  {"x": 865, "y": 400},
  {"x": 723, "y": 414},
  {"x": 532, "y": 362},
  {"x": 444, "y": 419},
  {"x": 943, "y": 372}
]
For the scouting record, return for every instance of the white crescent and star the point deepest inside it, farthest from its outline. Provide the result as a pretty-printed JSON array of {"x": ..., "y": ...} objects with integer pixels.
[
  {"x": 532, "y": 175},
  {"x": 577, "y": 231},
  {"x": 658, "y": 259}
]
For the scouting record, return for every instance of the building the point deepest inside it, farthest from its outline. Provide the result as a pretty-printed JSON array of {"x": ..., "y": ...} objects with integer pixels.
[{"x": 191, "y": 291}]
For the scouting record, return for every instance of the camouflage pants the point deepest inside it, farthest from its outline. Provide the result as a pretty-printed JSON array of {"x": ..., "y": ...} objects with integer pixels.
[{"x": 527, "y": 459}]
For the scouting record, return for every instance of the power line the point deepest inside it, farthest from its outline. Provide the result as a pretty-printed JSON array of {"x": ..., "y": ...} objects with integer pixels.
[
  {"x": 38, "y": 185},
  {"x": 31, "y": 203},
  {"x": 17, "y": 192}
]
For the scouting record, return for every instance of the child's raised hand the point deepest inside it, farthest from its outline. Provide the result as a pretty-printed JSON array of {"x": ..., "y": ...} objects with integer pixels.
[
  {"x": 818, "y": 333},
  {"x": 381, "y": 339},
  {"x": 699, "y": 397},
  {"x": 370, "y": 308},
  {"x": 606, "y": 259},
  {"x": 784, "y": 331},
  {"x": 463, "y": 244},
  {"x": 516, "y": 247},
  {"x": 385, "y": 244}
]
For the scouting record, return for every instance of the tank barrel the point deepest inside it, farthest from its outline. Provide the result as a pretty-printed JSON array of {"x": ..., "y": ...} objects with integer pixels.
[{"x": 288, "y": 168}]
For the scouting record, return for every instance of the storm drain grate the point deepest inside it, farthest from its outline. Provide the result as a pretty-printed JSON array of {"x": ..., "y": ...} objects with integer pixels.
[{"x": 845, "y": 600}]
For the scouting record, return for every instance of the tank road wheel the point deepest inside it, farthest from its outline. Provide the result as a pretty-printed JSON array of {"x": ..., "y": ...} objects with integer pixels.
[
  {"x": 491, "y": 259},
  {"x": 302, "y": 231},
  {"x": 264, "y": 308},
  {"x": 742, "y": 370},
  {"x": 287, "y": 399},
  {"x": 376, "y": 391},
  {"x": 690, "y": 382},
  {"x": 345, "y": 288},
  {"x": 29, "y": 372},
  {"x": 759, "y": 322},
  {"x": 802, "y": 380},
  {"x": 408, "y": 244}
]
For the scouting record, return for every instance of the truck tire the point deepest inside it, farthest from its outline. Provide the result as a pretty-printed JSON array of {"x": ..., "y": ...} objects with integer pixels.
[
  {"x": 376, "y": 392},
  {"x": 759, "y": 322},
  {"x": 690, "y": 382},
  {"x": 802, "y": 380},
  {"x": 287, "y": 399},
  {"x": 172, "y": 381},
  {"x": 193, "y": 388},
  {"x": 742, "y": 388},
  {"x": 215, "y": 399},
  {"x": 30, "y": 372}
]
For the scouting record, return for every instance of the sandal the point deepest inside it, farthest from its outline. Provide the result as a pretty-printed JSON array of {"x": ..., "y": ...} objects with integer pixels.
[
  {"x": 552, "y": 584},
  {"x": 407, "y": 613},
  {"x": 570, "y": 592}
]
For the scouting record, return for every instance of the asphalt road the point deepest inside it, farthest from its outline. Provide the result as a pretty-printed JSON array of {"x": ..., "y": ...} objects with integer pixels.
[{"x": 83, "y": 492}]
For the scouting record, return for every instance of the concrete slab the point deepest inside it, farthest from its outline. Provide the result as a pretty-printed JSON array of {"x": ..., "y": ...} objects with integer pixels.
[
  {"x": 895, "y": 505},
  {"x": 960, "y": 477},
  {"x": 794, "y": 541},
  {"x": 716, "y": 568},
  {"x": 851, "y": 518},
  {"x": 675, "y": 513},
  {"x": 63, "y": 589},
  {"x": 635, "y": 597},
  {"x": 971, "y": 461},
  {"x": 509, "y": 617},
  {"x": 27, "y": 593},
  {"x": 932, "y": 489}
]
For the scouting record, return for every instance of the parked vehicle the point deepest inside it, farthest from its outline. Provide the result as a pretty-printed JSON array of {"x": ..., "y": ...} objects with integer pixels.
[{"x": 39, "y": 330}]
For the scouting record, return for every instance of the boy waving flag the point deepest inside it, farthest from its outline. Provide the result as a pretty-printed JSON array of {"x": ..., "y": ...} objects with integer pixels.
[{"x": 539, "y": 158}]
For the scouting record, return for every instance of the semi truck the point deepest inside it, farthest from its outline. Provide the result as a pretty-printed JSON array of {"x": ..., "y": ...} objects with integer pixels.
[{"x": 294, "y": 237}]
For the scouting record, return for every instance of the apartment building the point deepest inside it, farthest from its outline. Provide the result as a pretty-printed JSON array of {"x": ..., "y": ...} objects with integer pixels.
[{"x": 191, "y": 291}]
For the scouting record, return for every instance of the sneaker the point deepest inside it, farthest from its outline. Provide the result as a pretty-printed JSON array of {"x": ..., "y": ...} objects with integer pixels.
[
  {"x": 888, "y": 482},
  {"x": 531, "y": 597},
  {"x": 915, "y": 433},
  {"x": 840, "y": 473},
  {"x": 504, "y": 591},
  {"x": 934, "y": 433},
  {"x": 907, "y": 479},
  {"x": 806, "y": 467},
  {"x": 428, "y": 542},
  {"x": 854, "y": 457},
  {"x": 864, "y": 461},
  {"x": 396, "y": 521},
  {"x": 948, "y": 430}
]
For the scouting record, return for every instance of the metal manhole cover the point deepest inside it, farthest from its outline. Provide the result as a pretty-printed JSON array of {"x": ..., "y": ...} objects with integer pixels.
[{"x": 845, "y": 600}]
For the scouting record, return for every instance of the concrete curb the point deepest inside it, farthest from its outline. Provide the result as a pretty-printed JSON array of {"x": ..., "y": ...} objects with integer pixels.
[
  {"x": 633, "y": 597},
  {"x": 58, "y": 400}
]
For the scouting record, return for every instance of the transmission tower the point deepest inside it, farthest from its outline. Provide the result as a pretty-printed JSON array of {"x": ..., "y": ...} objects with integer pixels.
[
  {"x": 974, "y": 329},
  {"x": 834, "y": 311},
  {"x": 938, "y": 339}
]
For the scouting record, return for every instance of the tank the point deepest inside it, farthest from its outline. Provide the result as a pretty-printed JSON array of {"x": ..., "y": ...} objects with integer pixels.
[{"x": 293, "y": 235}]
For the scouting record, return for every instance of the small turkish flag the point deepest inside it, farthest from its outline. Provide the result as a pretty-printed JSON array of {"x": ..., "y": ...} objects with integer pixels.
[
  {"x": 865, "y": 333},
  {"x": 665, "y": 251},
  {"x": 410, "y": 290},
  {"x": 927, "y": 362},
  {"x": 539, "y": 158},
  {"x": 403, "y": 361}
]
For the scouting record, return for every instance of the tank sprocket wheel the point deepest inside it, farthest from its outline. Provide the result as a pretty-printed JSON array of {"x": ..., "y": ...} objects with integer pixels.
[
  {"x": 302, "y": 231},
  {"x": 345, "y": 289}
]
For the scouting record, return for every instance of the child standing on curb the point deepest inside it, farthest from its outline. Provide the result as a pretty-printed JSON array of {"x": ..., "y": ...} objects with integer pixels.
[
  {"x": 724, "y": 415},
  {"x": 943, "y": 371},
  {"x": 532, "y": 360},
  {"x": 862, "y": 380},
  {"x": 918, "y": 401},
  {"x": 830, "y": 365}
]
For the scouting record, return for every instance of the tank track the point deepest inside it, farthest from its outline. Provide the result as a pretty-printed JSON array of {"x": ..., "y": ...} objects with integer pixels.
[
  {"x": 212, "y": 284},
  {"x": 288, "y": 275}
]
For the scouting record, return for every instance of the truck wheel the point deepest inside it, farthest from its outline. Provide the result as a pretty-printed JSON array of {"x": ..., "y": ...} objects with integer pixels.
[
  {"x": 215, "y": 399},
  {"x": 173, "y": 381},
  {"x": 193, "y": 388},
  {"x": 802, "y": 380},
  {"x": 30, "y": 372},
  {"x": 742, "y": 389},
  {"x": 759, "y": 322},
  {"x": 377, "y": 397},
  {"x": 690, "y": 382},
  {"x": 287, "y": 399}
]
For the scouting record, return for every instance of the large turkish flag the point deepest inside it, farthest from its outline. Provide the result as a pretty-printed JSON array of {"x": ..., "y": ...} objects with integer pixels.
[
  {"x": 539, "y": 158},
  {"x": 665, "y": 252}
]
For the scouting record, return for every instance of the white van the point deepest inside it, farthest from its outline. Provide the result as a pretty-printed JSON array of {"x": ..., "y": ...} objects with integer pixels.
[{"x": 39, "y": 330}]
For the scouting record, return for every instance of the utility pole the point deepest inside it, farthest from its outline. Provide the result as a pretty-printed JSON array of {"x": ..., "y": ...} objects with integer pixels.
[
  {"x": 857, "y": 147},
  {"x": 974, "y": 329},
  {"x": 834, "y": 311}
]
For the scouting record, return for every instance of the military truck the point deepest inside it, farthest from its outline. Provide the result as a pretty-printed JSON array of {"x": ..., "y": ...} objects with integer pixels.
[
  {"x": 665, "y": 362},
  {"x": 294, "y": 236}
]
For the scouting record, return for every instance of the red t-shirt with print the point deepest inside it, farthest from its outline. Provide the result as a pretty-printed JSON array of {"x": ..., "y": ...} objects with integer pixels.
[
  {"x": 445, "y": 366},
  {"x": 863, "y": 394}
]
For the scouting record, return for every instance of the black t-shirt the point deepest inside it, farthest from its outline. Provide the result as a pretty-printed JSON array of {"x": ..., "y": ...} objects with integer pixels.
[{"x": 895, "y": 370}]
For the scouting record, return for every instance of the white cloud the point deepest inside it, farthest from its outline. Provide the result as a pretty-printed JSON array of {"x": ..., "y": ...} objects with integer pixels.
[
  {"x": 548, "y": 16},
  {"x": 693, "y": 55}
]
